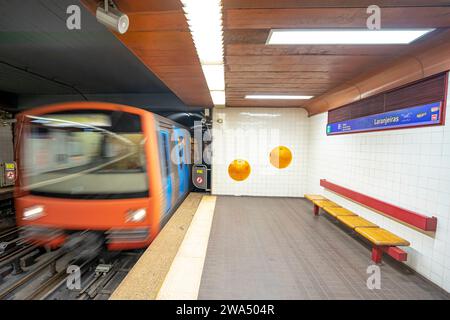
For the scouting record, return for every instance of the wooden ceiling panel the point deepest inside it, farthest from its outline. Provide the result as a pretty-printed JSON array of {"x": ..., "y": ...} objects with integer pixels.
[
  {"x": 288, "y": 83},
  {"x": 282, "y": 75},
  {"x": 158, "y": 21},
  {"x": 252, "y": 67},
  {"x": 301, "y": 59},
  {"x": 265, "y": 103},
  {"x": 160, "y": 40},
  {"x": 342, "y": 68},
  {"x": 142, "y": 6},
  {"x": 406, "y": 17},
  {"x": 159, "y": 36},
  {"x": 291, "y": 4},
  {"x": 282, "y": 50}
]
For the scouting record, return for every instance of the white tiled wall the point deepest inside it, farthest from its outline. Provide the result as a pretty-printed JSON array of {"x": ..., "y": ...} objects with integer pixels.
[
  {"x": 250, "y": 134},
  {"x": 409, "y": 168}
]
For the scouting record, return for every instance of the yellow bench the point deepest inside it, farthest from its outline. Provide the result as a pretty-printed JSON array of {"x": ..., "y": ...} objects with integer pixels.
[
  {"x": 338, "y": 212},
  {"x": 381, "y": 239},
  {"x": 320, "y": 202},
  {"x": 353, "y": 222},
  {"x": 312, "y": 197}
]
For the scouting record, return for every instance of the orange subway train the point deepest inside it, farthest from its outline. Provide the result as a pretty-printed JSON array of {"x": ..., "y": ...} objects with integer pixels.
[{"x": 88, "y": 167}]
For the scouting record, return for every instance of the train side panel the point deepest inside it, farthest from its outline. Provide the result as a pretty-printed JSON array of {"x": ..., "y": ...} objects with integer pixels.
[{"x": 174, "y": 165}]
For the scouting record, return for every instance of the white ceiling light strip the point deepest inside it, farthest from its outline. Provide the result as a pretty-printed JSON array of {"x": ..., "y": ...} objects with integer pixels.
[
  {"x": 205, "y": 23},
  {"x": 277, "y": 97},
  {"x": 344, "y": 36}
]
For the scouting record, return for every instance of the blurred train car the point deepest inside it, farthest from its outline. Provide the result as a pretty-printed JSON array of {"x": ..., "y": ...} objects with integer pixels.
[{"x": 117, "y": 171}]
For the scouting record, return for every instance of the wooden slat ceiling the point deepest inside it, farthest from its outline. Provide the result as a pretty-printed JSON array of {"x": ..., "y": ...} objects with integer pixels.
[
  {"x": 159, "y": 36},
  {"x": 251, "y": 67}
]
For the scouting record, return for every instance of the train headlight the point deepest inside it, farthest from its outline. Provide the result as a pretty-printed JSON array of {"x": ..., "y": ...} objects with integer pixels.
[
  {"x": 136, "y": 215},
  {"x": 33, "y": 212}
]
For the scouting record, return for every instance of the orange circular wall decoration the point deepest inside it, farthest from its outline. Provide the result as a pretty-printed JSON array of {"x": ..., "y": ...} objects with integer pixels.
[
  {"x": 239, "y": 169},
  {"x": 280, "y": 157}
]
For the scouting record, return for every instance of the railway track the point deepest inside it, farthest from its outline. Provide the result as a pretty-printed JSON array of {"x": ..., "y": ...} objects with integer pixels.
[
  {"x": 56, "y": 281},
  {"x": 107, "y": 278},
  {"x": 29, "y": 272},
  {"x": 47, "y": 278},
  {"x": 98, "y": 279},
  {"x": 48, "y": 263},
  {"x": 8, "y": 233}
]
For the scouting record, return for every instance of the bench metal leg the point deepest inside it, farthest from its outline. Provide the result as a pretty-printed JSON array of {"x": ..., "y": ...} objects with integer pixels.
[
  {"x": 377, "y": 253},
  {"x": 316, "y": 210}
]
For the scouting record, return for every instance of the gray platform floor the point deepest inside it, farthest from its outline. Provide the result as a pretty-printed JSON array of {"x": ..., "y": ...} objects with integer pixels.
[{"x": 274, "y": 248}]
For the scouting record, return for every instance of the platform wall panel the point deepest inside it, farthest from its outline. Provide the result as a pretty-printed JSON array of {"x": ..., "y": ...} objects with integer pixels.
[
  {"x": 250, "y": 134},
  {"x": 409, "y": 168}
]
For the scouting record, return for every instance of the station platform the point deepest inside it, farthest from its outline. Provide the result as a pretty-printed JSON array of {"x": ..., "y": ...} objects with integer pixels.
[{"x": 226, "y": 247}]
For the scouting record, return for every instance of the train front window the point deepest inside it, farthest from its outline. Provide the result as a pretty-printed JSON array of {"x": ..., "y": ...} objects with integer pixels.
[{"x": 90, "y": 154}]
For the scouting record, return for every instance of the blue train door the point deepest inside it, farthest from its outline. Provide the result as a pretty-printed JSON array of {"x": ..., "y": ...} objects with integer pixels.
[
  {"x": 165, "y": 163},
  {"x": 183, "y": 169}
]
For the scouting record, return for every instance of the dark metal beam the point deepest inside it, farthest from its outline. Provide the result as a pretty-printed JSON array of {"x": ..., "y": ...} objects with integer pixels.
[{"x": 8, "y": 100}]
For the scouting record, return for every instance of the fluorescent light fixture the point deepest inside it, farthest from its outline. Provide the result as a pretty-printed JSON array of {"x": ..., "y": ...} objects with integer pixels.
[
  {"x": 265, "y": 115},
  {"x": 218, "y": 97},
  {"x": 345, "y": 36},
  {"x": 204, "y": 18},
  {"x": 214, "y": 74},
  {"x": 276, "y": 97}
]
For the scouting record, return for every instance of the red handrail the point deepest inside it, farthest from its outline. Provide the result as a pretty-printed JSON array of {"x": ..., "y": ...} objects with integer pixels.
[{"x": 410, "y": 217}]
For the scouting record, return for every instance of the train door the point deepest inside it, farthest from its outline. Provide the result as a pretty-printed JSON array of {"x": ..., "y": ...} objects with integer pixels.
[
  {"x": 166, "y": 170},
  {"x": 182, "y": 167}
]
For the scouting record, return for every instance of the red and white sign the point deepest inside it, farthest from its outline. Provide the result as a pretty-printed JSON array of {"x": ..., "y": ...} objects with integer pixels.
[
  {"x": 10, "y": 175},
  {"x": 199, "y": 180}
]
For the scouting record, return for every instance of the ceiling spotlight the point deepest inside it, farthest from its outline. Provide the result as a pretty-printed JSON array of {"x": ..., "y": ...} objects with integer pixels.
[{"x": 111, "y": 17}]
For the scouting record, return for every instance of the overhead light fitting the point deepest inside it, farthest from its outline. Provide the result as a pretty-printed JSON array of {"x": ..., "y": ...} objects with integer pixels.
[
  {"x": 276, "y": 97},
  {"x": 218, "y": 97},
  {"x": 344, "y": 36},
  {"x": 204, "y": 18},
  {"x": 111, "y": 17},
  {"x": 214, "y": 74}
]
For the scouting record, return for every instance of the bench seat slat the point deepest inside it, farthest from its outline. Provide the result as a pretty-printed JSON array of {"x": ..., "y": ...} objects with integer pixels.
[
  {"x": 312, "y": 197},
  {"x": 325, "y": 203},
  {"x": 381, "y": 237},
  {"x": 356, "y": 222},
  {"x": 338, "y": 211}
]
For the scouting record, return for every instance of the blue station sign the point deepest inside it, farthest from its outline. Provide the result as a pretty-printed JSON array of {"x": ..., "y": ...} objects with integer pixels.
[{"x": 423, "y": 115}]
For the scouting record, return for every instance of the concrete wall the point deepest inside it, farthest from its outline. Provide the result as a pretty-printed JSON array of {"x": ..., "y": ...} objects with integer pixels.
[
  {"x": 269, "y": 128},
  {"x": 410, "y": 168}
]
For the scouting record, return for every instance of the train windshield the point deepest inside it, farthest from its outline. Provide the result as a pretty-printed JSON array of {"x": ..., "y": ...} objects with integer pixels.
[{"x": 89, "y": 154}]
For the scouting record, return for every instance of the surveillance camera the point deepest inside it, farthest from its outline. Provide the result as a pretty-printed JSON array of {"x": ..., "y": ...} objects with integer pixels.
[{"x": 113, "y": 18}]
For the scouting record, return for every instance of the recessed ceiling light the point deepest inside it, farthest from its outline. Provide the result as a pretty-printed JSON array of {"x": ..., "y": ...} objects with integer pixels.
[
  {"x": 276, "y": 97},
  {"x": 218, "y": 97},
  {"x": 214, "y": 75},
  {"x": 345, "y": 36}
]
